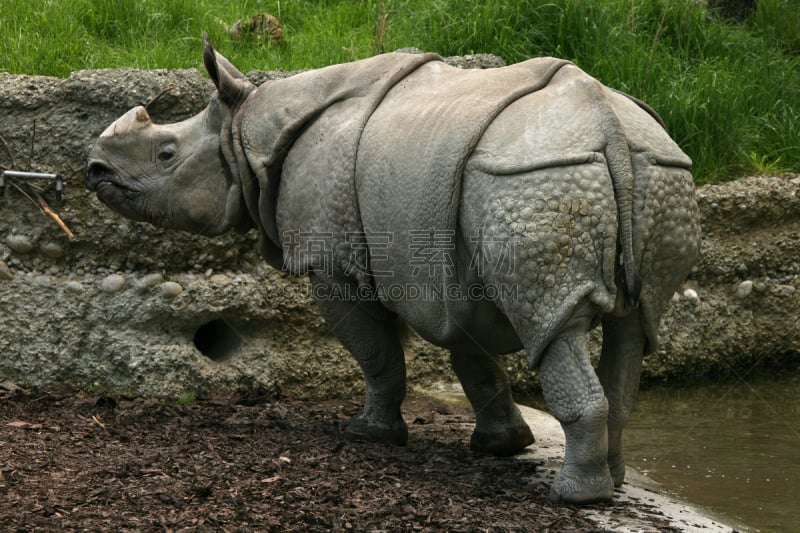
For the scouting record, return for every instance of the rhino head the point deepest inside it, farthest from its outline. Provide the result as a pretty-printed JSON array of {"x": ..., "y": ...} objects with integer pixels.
[{"x": 179, "y": 176}]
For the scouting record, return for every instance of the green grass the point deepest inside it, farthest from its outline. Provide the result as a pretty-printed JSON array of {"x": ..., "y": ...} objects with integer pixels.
[
  {"x": 730, "y": 94},
  {"x": 187, "y": 398}
]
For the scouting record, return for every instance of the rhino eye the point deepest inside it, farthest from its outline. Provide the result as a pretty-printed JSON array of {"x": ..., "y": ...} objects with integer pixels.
[{"x": 166, "y": 155}]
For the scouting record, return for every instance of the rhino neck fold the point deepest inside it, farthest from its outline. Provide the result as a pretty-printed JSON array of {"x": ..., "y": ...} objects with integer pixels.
[{"x": 334, "y": 103}]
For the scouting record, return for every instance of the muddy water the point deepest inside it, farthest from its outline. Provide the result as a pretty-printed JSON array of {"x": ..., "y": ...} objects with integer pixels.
[{"x": 733, "y": 448}]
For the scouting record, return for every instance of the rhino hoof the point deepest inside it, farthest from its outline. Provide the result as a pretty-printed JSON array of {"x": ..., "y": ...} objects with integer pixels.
[
  {"x": 579, "y": 488},
  {"x": 360, "y": 429},
  {"x": 504, "y": 443}
]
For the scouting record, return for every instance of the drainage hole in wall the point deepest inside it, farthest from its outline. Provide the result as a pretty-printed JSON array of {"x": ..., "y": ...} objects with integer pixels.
[{"x": 217, "y": 340}]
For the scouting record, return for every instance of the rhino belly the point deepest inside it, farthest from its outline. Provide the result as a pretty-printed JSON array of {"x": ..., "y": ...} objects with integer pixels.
[{"x": 458, "y": 318}]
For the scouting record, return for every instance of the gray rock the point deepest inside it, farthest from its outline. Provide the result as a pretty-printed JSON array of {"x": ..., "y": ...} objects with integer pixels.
[
  {"x": 113, "y": 283},
  {"x": 478, "y": 61},
  {"x": 744, "y": 289},
  {"x": 74, "y": 286},
  {"x": 52, "y": 250},
  {"x": 5, "y": 272},
  {"x": 22, "y": 244},
  {"x": 785, "y": 290}
]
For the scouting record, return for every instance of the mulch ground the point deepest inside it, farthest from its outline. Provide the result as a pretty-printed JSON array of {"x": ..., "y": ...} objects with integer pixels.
[{"x": 76, "y": 461}]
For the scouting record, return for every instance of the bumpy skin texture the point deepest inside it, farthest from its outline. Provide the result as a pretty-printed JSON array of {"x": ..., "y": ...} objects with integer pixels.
[{"x": 491, "y": 210}]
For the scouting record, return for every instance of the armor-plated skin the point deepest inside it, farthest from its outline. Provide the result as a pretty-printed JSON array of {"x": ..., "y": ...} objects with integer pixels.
[{"x": 491, "y": 210}]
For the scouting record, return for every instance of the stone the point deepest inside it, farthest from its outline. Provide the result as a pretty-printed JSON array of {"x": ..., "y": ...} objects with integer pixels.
[
  {"x": 74, "y": 286},
  {"x": 171, "y": 289},
  {"x": 5, "y": 272},
  {"x": 53, "y": 250},
  {"x": 784, "y": 290},
  {"x": 113, "y": 283},
  {"x": 22, "y": 244},
  {"x": 744, "y": 289},
  {"x": 150, "y": 280}
]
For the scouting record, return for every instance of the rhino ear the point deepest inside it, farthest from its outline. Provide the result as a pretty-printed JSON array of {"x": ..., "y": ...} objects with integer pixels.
[{"x": 231, "y": 84}]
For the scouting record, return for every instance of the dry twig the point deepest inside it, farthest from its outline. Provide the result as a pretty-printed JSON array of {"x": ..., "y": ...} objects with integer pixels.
[
  {"x": 10, "y": 152},
  {"x": 38, "y": 201}
]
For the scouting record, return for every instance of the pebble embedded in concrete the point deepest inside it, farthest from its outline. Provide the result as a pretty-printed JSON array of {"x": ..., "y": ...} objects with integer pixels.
[
  {"x": 690, "y": 294},
  {"x": 52, "y": 250},
  {"x": 150, "y": 280},
  {"x": 744, "y": 289},
  {"x": 171, "y": 289},
  {"x": 74, "y": 286},
  {"x": 22, "y": 244},
  {"x": 5, "y": 272},
  {"x": 113, "y": 283},
  {"x": 784, "y": 290}
]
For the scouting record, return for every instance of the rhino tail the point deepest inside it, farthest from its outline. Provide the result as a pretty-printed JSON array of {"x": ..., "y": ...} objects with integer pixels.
[{"x": 618, "y": 158}]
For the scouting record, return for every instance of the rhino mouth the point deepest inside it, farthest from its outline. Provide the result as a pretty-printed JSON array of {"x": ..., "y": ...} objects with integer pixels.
[
  {"x": 100, "y": 177},
  {"x": 112, "y": 191}
]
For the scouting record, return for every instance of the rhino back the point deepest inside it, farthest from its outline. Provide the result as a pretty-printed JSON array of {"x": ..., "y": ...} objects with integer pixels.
[{"x": 409, "y": 170}]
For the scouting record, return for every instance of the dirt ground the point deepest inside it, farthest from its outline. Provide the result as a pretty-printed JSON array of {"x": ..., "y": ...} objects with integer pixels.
[{"x": 90, "y": 462}]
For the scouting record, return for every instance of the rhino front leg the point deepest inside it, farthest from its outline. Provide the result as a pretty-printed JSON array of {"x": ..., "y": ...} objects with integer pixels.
[
  {"x": 575, "y": 397},
  {"x": 499, "y": 426},
  {"x": 369, "y": 332},
  {"x": 619, "y": 371}
]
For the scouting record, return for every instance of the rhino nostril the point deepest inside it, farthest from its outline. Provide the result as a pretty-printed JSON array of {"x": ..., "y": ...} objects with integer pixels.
[{"x": 97, "y": 173}]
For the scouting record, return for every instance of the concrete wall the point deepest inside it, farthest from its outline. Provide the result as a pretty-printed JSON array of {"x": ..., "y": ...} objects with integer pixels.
[{"x": 125, "y": 306}]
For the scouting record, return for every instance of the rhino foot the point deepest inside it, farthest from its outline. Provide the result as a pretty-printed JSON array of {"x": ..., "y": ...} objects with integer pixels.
[
  {"x": 504, "y": 443},
  {"x": 359, "y": 428},
  {"x": 575, "y": 486}
]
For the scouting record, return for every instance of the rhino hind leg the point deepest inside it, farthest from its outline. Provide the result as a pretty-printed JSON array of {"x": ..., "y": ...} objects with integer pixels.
[
  {"x": 575, "y": 397},
  {"x": 369, "y": 332},
  {"x": 499, "y": 428},
  {"x": 619, "y": 371}
]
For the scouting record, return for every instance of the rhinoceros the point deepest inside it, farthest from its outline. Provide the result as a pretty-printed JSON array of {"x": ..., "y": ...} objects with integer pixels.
[{"x": 491, "y": 210}]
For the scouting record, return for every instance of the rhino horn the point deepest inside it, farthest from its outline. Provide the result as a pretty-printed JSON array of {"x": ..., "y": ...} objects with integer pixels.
[{"x": 134, "y": 120}]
